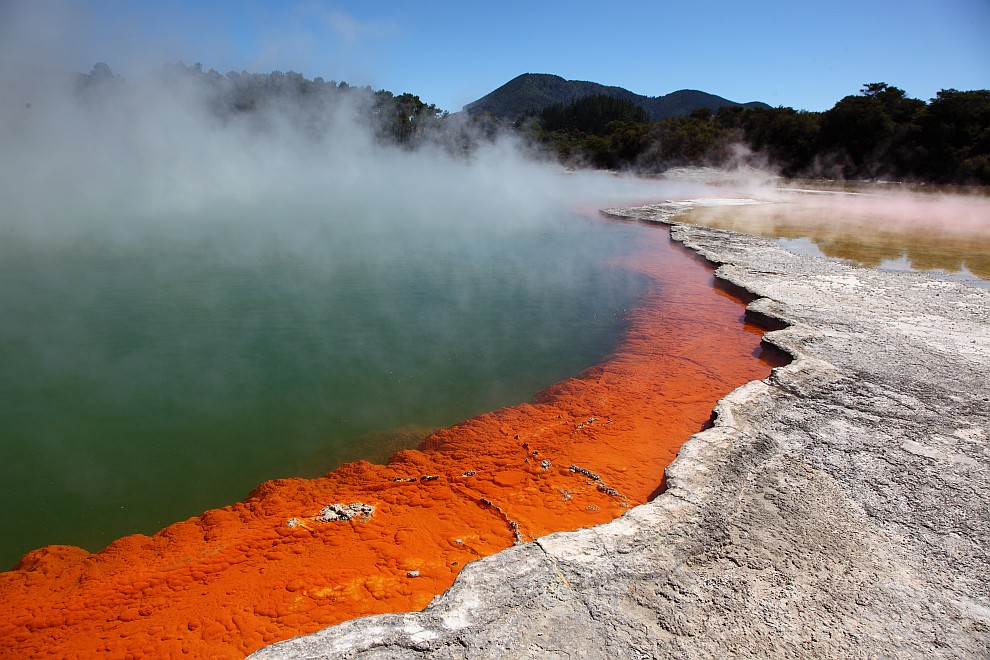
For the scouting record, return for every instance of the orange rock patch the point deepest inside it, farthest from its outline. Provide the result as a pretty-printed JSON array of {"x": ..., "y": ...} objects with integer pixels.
[{"x": 274, "y": 566}]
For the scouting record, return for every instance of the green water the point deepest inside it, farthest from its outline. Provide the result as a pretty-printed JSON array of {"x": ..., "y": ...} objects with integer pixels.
[{"x": 149, "y": 374}]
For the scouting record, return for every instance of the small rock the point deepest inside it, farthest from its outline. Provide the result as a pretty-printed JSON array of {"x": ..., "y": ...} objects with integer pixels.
[
  {"x": 586, "y": 472},
  {"x": 340, "y": 512}
]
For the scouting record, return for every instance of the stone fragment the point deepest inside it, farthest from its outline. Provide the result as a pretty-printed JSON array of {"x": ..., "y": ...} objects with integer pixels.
[{"x": 342, "y": 512}]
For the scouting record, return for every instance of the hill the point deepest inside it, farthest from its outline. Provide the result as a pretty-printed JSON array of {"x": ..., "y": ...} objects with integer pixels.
[{"x": 531, "y": 92}]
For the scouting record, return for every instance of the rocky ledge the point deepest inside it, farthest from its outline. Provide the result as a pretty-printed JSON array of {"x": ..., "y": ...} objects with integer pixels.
[{"x": 838, "y": 509}]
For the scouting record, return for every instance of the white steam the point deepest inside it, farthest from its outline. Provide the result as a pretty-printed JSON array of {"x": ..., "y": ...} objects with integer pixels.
[{"x": 150, "y": 155}]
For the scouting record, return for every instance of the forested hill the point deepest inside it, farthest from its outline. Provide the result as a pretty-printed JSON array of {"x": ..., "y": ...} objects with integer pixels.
[
  {"x": 879, "y": 134},
  {"x": 532, "y": 92}
]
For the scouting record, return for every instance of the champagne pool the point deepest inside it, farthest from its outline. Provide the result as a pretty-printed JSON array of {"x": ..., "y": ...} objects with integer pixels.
[{"x": 156, "y": 369}]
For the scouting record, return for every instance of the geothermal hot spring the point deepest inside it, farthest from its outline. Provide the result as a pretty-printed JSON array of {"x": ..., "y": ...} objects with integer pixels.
[
  {"x": 190, "y": 307},
  {"x": 190, "y": 310},
  {"x": 199, "y": 320},
  {"x": 151, "y": 374},
  {"x": 202, "y": 316}
]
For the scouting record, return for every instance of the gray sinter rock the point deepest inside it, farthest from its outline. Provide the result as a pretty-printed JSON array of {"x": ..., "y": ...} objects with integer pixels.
[
  {"x": 342, "y": 512},
  {"x": 838, "y": 509}
]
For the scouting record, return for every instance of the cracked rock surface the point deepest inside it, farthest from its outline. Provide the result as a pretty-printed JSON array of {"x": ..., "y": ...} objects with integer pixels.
[{"x": 838, "y": 509}]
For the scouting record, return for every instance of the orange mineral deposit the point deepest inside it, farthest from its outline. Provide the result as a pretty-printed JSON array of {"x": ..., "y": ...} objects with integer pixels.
[{"x": 302, "y": 554}]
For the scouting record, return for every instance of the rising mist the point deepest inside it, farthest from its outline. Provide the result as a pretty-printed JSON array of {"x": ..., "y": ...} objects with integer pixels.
[{"x": 195, "y": 300}]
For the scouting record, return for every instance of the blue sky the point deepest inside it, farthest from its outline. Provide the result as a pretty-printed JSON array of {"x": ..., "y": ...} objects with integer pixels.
[{"x": 797, "y": 54}]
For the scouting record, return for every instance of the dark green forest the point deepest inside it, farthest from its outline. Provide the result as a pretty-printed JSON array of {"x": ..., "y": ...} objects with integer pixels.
[{"x": 877, "y": 134}]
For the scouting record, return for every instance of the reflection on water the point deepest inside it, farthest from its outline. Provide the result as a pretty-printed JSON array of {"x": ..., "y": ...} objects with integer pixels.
[{"x": 883, "y": 228}]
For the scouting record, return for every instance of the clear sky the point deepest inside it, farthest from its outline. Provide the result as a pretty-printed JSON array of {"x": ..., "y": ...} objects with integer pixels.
[{"x": 805, "y": 55}]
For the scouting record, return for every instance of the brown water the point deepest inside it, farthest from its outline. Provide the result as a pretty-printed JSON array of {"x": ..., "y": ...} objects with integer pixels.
[{"x": 886, "y": 227}]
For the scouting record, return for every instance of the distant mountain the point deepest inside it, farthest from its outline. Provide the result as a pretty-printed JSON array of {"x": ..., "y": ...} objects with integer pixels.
[{"x": 531, "y": 92}]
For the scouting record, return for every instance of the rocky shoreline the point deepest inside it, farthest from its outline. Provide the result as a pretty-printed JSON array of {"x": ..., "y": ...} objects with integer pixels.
[{"x": 838, "y": 508}]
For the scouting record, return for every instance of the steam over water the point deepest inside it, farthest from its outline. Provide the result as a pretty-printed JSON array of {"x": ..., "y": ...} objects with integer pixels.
[
  {"x": 147, "y": 382},
  {"x": 881, "y": 226},
  {"x": 189, "y": 308}
]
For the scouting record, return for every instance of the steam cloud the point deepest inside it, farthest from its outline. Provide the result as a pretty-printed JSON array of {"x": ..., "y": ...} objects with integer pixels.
[{"x": 121, "y": 202}]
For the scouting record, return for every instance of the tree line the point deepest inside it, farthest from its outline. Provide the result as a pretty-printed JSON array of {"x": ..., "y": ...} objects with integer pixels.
[
  {"x": 878, "y": 134},
  {"x": 310, "y": 104}
]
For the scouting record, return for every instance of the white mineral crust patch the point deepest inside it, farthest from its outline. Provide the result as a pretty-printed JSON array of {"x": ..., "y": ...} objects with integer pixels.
[{"x": 838, "y": 509}]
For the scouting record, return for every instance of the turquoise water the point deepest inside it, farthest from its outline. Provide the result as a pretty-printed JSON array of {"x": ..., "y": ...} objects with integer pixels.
[{"x": 152, "y": 369}]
